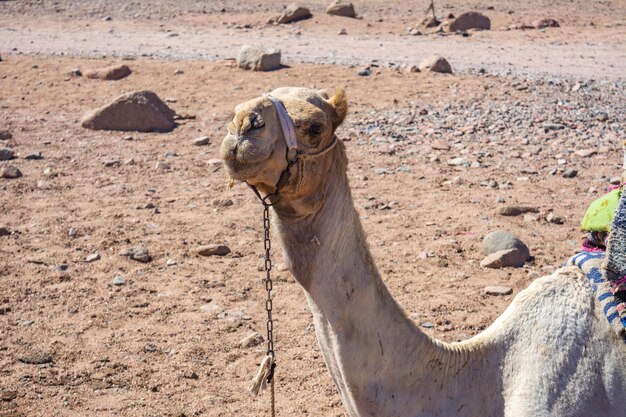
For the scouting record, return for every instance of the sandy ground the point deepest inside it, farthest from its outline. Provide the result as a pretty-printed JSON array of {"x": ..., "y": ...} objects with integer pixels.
[{"x": 167, "y": 342}]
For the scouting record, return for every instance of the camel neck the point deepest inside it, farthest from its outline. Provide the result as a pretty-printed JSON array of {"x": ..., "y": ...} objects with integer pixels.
[{"x": 364, "y": 335}]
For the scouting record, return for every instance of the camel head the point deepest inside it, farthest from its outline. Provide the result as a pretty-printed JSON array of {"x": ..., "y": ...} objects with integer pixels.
[{"x": 255, "y": 149}]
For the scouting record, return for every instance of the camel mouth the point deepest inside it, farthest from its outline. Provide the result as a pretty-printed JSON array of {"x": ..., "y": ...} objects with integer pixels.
[{"x": 242, "y": 171}]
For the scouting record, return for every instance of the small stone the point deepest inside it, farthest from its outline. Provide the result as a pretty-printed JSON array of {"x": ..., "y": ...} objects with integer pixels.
[
  {"x": 531, "y": 217},
  {"x": 222, "y": 202},
  {"x": 500, "y": 199},
  {"x": 440, "y": 145},
  {"x": 113, "y": 73},
  {"x": 436, "y": 63},
  {"x": 92, "y": 257},
  {"x": 427, "y": 325},
  {"x": 76, "y": 72},
  {"x": 554, "y": 219},
  {"x": 4, "y": 232},
  {"x": 585, "y": 153},
  {"x": 44, "y": 185},
  {"x": 170, "y": 154},
  {"x": 73, "y": 232},
  {"x": 342, "y": 32},
  {"x": 36, "y": 359},
  {"x": 6, "y": 154},
  {"x": 137, "y": 253},
  {"x": 460, "y": 161},
  {"x": 118, "y": 281},
  {"x": 190, "y": 375},
  {"x": 552, "y": 126},
  {"x": 201, "y": 141},
  {"x": 501, "y": 240},
  {"x": 211, "y": 250},
  {"x": 162, "y": 166},
  {"x": 107, "y": 18},
  {"x": 128, "y": 138},
  {"x": 498, "y": 290},
  {"x": 10, "y": 172},
  {"x": 5, "y": 135},
  {"x": 62, "y": 267},
  {"x": 365, "y": 72},
  {"x": 258, "y": 58},
  {"x": 412, "y": 69},
  {"x": 171, "y": 262},
  {"x": 149, "y": 347},
  {"x": 504, "y": 258},
  {"x": 7, "y": 395},
  {"x": 251, "y": 340},
  {"x": 515, "y": 210},
  {"x": 570, "y": 173},
  {"x": 111, "y": 163},
  {"x": 602, "y": 116},
  {"x": 546, "y": 23},
  {"x": 34, "y": 156}
]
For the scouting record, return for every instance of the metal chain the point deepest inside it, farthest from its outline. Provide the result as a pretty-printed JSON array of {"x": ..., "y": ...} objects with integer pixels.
[{"x": 267, "y": 244}]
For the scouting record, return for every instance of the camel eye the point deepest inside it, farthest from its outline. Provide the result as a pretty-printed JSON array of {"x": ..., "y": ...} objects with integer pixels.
[
  {"x": 315, "y": 129},
  {"x": 258, "y": 122}
]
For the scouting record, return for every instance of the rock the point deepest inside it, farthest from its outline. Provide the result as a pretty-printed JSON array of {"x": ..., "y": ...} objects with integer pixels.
[
  {"x": 36, "y": 359},
  {"x": 211, "y": 250},
  {"x": 111, "y": 163},
  {"x": 162, "y": 166},
  {"x": 469, "y": 20},
  {"x": 251, "y": 340},
  {"x": 170, "y": 154},
  {"x": 531, "y": 217},
  {"x": 141, "y": 111},
  {"x": 570, "y": 173},
  {"x": 546, "y": 23},
  {"x": 411, "y": 69},
  {"x": 7, "y": 395},
  {"x": 5, "y": 135},
  {"x": 342, "y": 32},
  {"x": 222, "y": 202},
  {"x": 171, "y": 262},
  {"x": 460, "y": 161},
  {"x": 190, "y": 375},
  {"x": 116, "y": 72},
  {"x": 585, "y": 153},
  {"x": 364, "y": 72},
  {"x": 73, "y": 232},
  {"x": 440, "y": 145},
  {"x": 92, "y": 257},
  {"x": 293, "y": 13},
  {"x": 429, "y": 22},
  {"x": 515, "y": 210},
  {"x": 118, "y": 281},
  {"x": 341, "y": 8},
  {"x": 436, "y": 63},
  {"x": 501, "y": 240},
  {"x": 137, "y": 253},
  {"x": 258, "y": 59},
  {"x": 9, "y": 171},
  {"x": 4, "y": 232},
  {"x": 498, "y": 290},
  {"x": 554, "y": 219},
  {"x": 6, "y": 154},
  {"x": 44, "y": 185},
  {"x": 76, "y": 72},
  {"x": 201, "y": 141},
  {"x": 504, "y": 258},
  {"x": 552, "y": 126},
  {"x": 34, "y": 156}
]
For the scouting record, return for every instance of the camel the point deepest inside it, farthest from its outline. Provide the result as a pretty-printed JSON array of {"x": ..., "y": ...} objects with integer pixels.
[{"x": 551, "y": 353}]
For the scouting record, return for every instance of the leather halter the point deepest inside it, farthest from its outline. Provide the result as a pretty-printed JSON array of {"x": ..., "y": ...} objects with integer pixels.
[{"x": 293, "y": 154}]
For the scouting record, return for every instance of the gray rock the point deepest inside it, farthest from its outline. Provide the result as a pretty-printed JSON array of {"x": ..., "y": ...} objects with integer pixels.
[
  {"x": 222, "y": 202},
  {"x": 460, "y": 161},
  {"x": 111, "y": 163},
  {"x": 251, "y": 340},
  {"x": 5, "y": 135},
  {"x": 9, "y": 172},
  {"x": 365, "y": 72},
  {"x": 552, "y": 126},
  {"x": 118, "y": 281},
  {"x": 498, "y": 290},
  {"x": 546, "y": 23},
  {"x": 171, "y": 262},
  {"x": 170, "y": 154},
  {"x": 501, "y": 240},
  {"x": 515, "y": 210},
  {"x": 554, "y": 219},
  {"x": 469, "y": 20},
  {"x": 137, "y": 253},
  {"x": 162, "y": 166},
  {"x": 36, "y": 359},
  {"x": 6, "y": 154},
  {"x": 34, "y": 156},
  {"x": 258, "y": 59},
  {"x": 570, "y": 173},
  {"x": 293, "y": 13},
  {"x": 341, "y": 8},
  {"x": 201, "y": 141},
  {"x": 115, "y": 72},
  {"x": 436, "y": 63},
  {"x": 92, "y": 257},
  {"x": 213, "y": 250},
  {"x": 504, "y": 258},
  {"x": 73, "y": 232},
  {"x": 4, "y": 232},
  {"x": 141, "y": 111}
]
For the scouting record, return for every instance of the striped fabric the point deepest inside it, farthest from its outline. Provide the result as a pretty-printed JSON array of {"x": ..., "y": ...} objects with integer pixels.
[{"x": 591, "y": 264}]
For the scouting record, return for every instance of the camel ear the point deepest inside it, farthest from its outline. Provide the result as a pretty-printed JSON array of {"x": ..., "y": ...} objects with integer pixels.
[{"x": 339, "y": 103}]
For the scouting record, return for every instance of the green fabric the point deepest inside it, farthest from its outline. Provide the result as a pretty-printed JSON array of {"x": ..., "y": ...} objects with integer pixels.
[{"x": 600, "y": 214}]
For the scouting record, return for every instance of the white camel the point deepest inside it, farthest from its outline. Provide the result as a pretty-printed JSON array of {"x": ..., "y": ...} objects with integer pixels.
[{"x": 551, "y": 353}]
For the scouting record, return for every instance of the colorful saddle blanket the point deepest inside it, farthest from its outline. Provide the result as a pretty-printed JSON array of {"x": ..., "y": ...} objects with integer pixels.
[{"x": 613, "y": 305}]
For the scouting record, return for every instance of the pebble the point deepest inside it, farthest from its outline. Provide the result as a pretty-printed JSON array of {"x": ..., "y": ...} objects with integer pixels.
[
  {"x": 504, "y": 258},
  {"x": 170, "y": 154},
  {"x": 498, "y": 290},
  {"x": 5, "y": 135},
  {"x": 552, "y": 126},
  {"x": 570, "y": 173},
  {"x": 458, "y": 161},
  {"x": 6, "y": 154},
  {"x": 213, "y": 250},
  {"x": 554, "y": 219},
  {"x": 171, "y": 262},
  {"x": 4, "y": 232},
  {"x": 34, "y": 156},
  {"x": 73, "y": 232},
  {"x": 92, "y": 257},
  {"x": 10, "y": 172},
  {"x": 222, "y": 202},
  {"x": 44, "y": 185},
  {"x": 137, "y": 253},
  {"x": 201, "y": 141},
  {"x": 111, "y": 163},
  {"x": 427, "y": 325},
  {"x": 585, "y": 153},
  {"x": 365, "y": 72},
  {"x": 515, "y": 210},
  {"x": 500, "y": 199},
  {"x": 162, "y": 166},
  {"x": 251, "y": 340},
  {"x": 190, "y": 375},
  {"x": 118, "y": 281},
  {"x": 502, "y": 240},
  {"x": 36, "y": 359}
]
